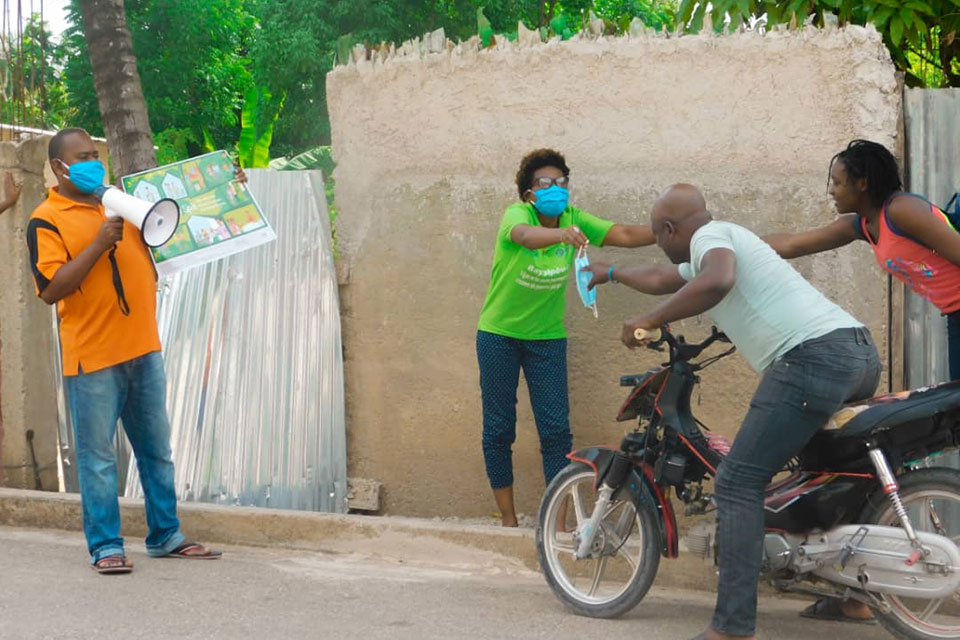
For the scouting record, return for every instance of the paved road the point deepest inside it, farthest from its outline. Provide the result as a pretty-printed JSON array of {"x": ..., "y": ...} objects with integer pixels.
[{"x": 47, "y": 592}]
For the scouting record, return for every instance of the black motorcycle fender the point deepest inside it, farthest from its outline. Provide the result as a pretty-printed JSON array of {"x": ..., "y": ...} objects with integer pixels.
[{"x": 643, "y": 491}]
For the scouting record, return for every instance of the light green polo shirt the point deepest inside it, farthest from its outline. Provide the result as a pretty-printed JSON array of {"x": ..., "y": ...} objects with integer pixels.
[
  {"x": 771, "y": 308},
  {"x": 526, "y": 297}
]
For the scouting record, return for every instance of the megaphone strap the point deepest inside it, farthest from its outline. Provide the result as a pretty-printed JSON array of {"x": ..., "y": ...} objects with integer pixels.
[{"x": 118, "y": 282}]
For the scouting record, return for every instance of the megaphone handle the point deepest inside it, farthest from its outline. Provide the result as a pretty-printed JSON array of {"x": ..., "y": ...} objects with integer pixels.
[{"x": 643, "y": 334}]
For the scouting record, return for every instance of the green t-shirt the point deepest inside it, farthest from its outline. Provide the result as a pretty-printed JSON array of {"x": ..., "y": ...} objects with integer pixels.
[{"x": 527, "y": 286}]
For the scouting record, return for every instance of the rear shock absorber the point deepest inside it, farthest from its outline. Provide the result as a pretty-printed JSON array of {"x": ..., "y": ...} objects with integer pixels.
[{"x": 892, "y": 490}]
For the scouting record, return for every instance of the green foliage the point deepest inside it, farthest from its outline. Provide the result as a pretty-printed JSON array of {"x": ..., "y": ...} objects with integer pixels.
[
  {"x": 318, "y": 158},
  {"x": 191, "y": 55},
  {"x": 658, "y": 15},
  {"x": 78, "y": 76},
  {"x": 923, "y": 36},
  {"x": 298, "y": 41},
  {"x": 559, "y": 26},
  {"x": 484, "y": 28},
  {"x": 257, "y": 120},
  {"x": 31, "y": 79},
  {"x": 199, "y": 58},
  {"x": 174, "y": 144},
  {"x": 208, "y": 144}
]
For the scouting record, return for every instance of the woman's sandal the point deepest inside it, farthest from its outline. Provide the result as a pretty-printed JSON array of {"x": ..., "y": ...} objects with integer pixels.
[
  {"x": 112, "y": 564},
  {"x": 193, "y": 551}
]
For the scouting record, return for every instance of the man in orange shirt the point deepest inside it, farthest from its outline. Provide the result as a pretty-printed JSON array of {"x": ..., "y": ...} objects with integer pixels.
[{"x": 98, "y": 272}]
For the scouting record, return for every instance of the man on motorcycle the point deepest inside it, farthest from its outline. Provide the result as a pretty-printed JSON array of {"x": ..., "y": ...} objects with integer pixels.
[{"x": 814, "y": 357}]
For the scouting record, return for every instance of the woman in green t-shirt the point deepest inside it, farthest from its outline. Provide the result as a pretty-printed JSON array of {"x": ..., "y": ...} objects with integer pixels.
[{"x": 521, "y": 324}]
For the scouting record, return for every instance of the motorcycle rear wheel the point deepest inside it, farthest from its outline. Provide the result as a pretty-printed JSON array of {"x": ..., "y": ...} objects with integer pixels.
[
  {"x": 624, "y": 557},
  {"x": 930, "y": 496}
]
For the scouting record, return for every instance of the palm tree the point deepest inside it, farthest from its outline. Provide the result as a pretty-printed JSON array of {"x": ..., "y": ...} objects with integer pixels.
[{"x": 115, "y": 76}]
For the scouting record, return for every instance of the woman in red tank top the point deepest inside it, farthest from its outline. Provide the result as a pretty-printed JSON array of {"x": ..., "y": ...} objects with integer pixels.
[{"x": 911, "y": 238}]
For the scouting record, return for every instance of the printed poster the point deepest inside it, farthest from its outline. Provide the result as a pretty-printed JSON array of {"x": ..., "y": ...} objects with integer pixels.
[{"x": 218, "y": 215}]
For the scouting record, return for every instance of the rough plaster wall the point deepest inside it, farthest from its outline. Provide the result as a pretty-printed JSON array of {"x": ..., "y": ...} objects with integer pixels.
[
  {"x": 427, "y": 150},
  {"x": 28, "y": 396}
]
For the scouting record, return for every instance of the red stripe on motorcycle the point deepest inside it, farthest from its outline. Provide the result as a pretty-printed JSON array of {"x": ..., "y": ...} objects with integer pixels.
[
  {"x": 697, "y": 453},
  {"x": 590, "y": 463}
]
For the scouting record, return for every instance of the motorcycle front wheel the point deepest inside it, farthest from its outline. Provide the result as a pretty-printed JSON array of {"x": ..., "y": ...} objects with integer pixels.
[
  {"x": 623, "y": 558},
  {"x": 932, "y": 500}
]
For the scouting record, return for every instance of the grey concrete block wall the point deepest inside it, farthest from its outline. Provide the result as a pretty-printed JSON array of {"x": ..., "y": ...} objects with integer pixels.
[{"x": 427, "y": 148}]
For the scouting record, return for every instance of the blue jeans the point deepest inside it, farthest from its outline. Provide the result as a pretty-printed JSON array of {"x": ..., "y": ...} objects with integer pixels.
[
  {"x": 134, "y": 392},
  {"x": 544, "y": 364},
  {"x": 796, "y": 397}
]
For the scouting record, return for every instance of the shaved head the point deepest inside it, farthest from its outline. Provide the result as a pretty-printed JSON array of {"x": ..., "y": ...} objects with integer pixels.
[
  {"x": 679, "y": 202},
  {"x": 679, "y": 211},
  {"x": 59, "y": 140}
]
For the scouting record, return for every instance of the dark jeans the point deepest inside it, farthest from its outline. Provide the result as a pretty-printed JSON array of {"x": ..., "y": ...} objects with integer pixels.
[
  {"x": 544, "y": 364},
  {"x": 953, "y": 344},
  {"x": 796, "y": 396}
]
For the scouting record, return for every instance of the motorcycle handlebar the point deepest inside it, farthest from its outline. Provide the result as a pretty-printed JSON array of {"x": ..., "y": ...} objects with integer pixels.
[
  {"x": 679, "y": 349},
  {"x": 652, "y": 336}
]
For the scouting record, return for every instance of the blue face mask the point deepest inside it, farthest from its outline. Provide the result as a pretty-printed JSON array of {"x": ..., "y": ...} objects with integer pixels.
[
  {"x": 589, "y": 298},
  {"x": 86, "y": 176},
  {"x": 552, "y": 201}
]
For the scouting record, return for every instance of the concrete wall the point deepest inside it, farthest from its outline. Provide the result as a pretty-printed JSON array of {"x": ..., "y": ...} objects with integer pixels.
[
  {"x": 28, "y": 394},
  {"x": 28, "y": 399},
  {"x": 427, "y": 148}
]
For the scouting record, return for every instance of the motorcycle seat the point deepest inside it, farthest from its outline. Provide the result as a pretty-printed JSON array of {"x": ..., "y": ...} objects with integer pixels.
[{"x": 884, "y": 412}]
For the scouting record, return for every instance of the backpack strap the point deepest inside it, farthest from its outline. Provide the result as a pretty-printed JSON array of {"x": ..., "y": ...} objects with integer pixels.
[{"x": 950, "y": 205}]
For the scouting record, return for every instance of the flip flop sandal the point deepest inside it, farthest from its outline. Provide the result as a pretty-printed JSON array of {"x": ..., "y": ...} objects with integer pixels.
[
  {"x": 183, "y": 551},
  {"x": 108, "y": 565},
  {"x": 830, "y": 609}
]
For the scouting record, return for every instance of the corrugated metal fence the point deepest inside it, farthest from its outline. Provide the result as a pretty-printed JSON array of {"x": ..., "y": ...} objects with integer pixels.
[
  {"x": 254, "y": 365},
  {"x": 932, "y": 120}
]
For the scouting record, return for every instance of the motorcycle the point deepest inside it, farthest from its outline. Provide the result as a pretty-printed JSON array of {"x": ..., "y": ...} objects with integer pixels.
[{"x": 860, "y": 513}]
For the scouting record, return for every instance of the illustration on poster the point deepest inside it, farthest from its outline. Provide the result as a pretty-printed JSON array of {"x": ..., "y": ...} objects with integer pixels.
[
  {"x": 146, "y": 191},
  {"x": 218, "y": 216},
  {"x": 173, "y": 187}
]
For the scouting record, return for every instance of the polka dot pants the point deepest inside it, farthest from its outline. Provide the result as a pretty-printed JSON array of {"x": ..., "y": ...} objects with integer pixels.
[{"x": 544, "y": 364}]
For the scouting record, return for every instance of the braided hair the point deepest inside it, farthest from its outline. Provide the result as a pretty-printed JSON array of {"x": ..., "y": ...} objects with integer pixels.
[{"x": 873, "y": 162}]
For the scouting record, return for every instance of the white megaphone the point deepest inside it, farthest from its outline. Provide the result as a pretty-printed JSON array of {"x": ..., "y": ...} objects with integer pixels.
[{"x": 157, "y": 221}]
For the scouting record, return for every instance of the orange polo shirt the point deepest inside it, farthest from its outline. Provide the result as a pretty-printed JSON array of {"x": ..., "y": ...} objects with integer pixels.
[{"x": 95, "y": 333}]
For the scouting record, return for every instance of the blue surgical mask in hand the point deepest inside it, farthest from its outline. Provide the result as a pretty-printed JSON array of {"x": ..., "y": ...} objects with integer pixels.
[{"x": 589, "y": 298}]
